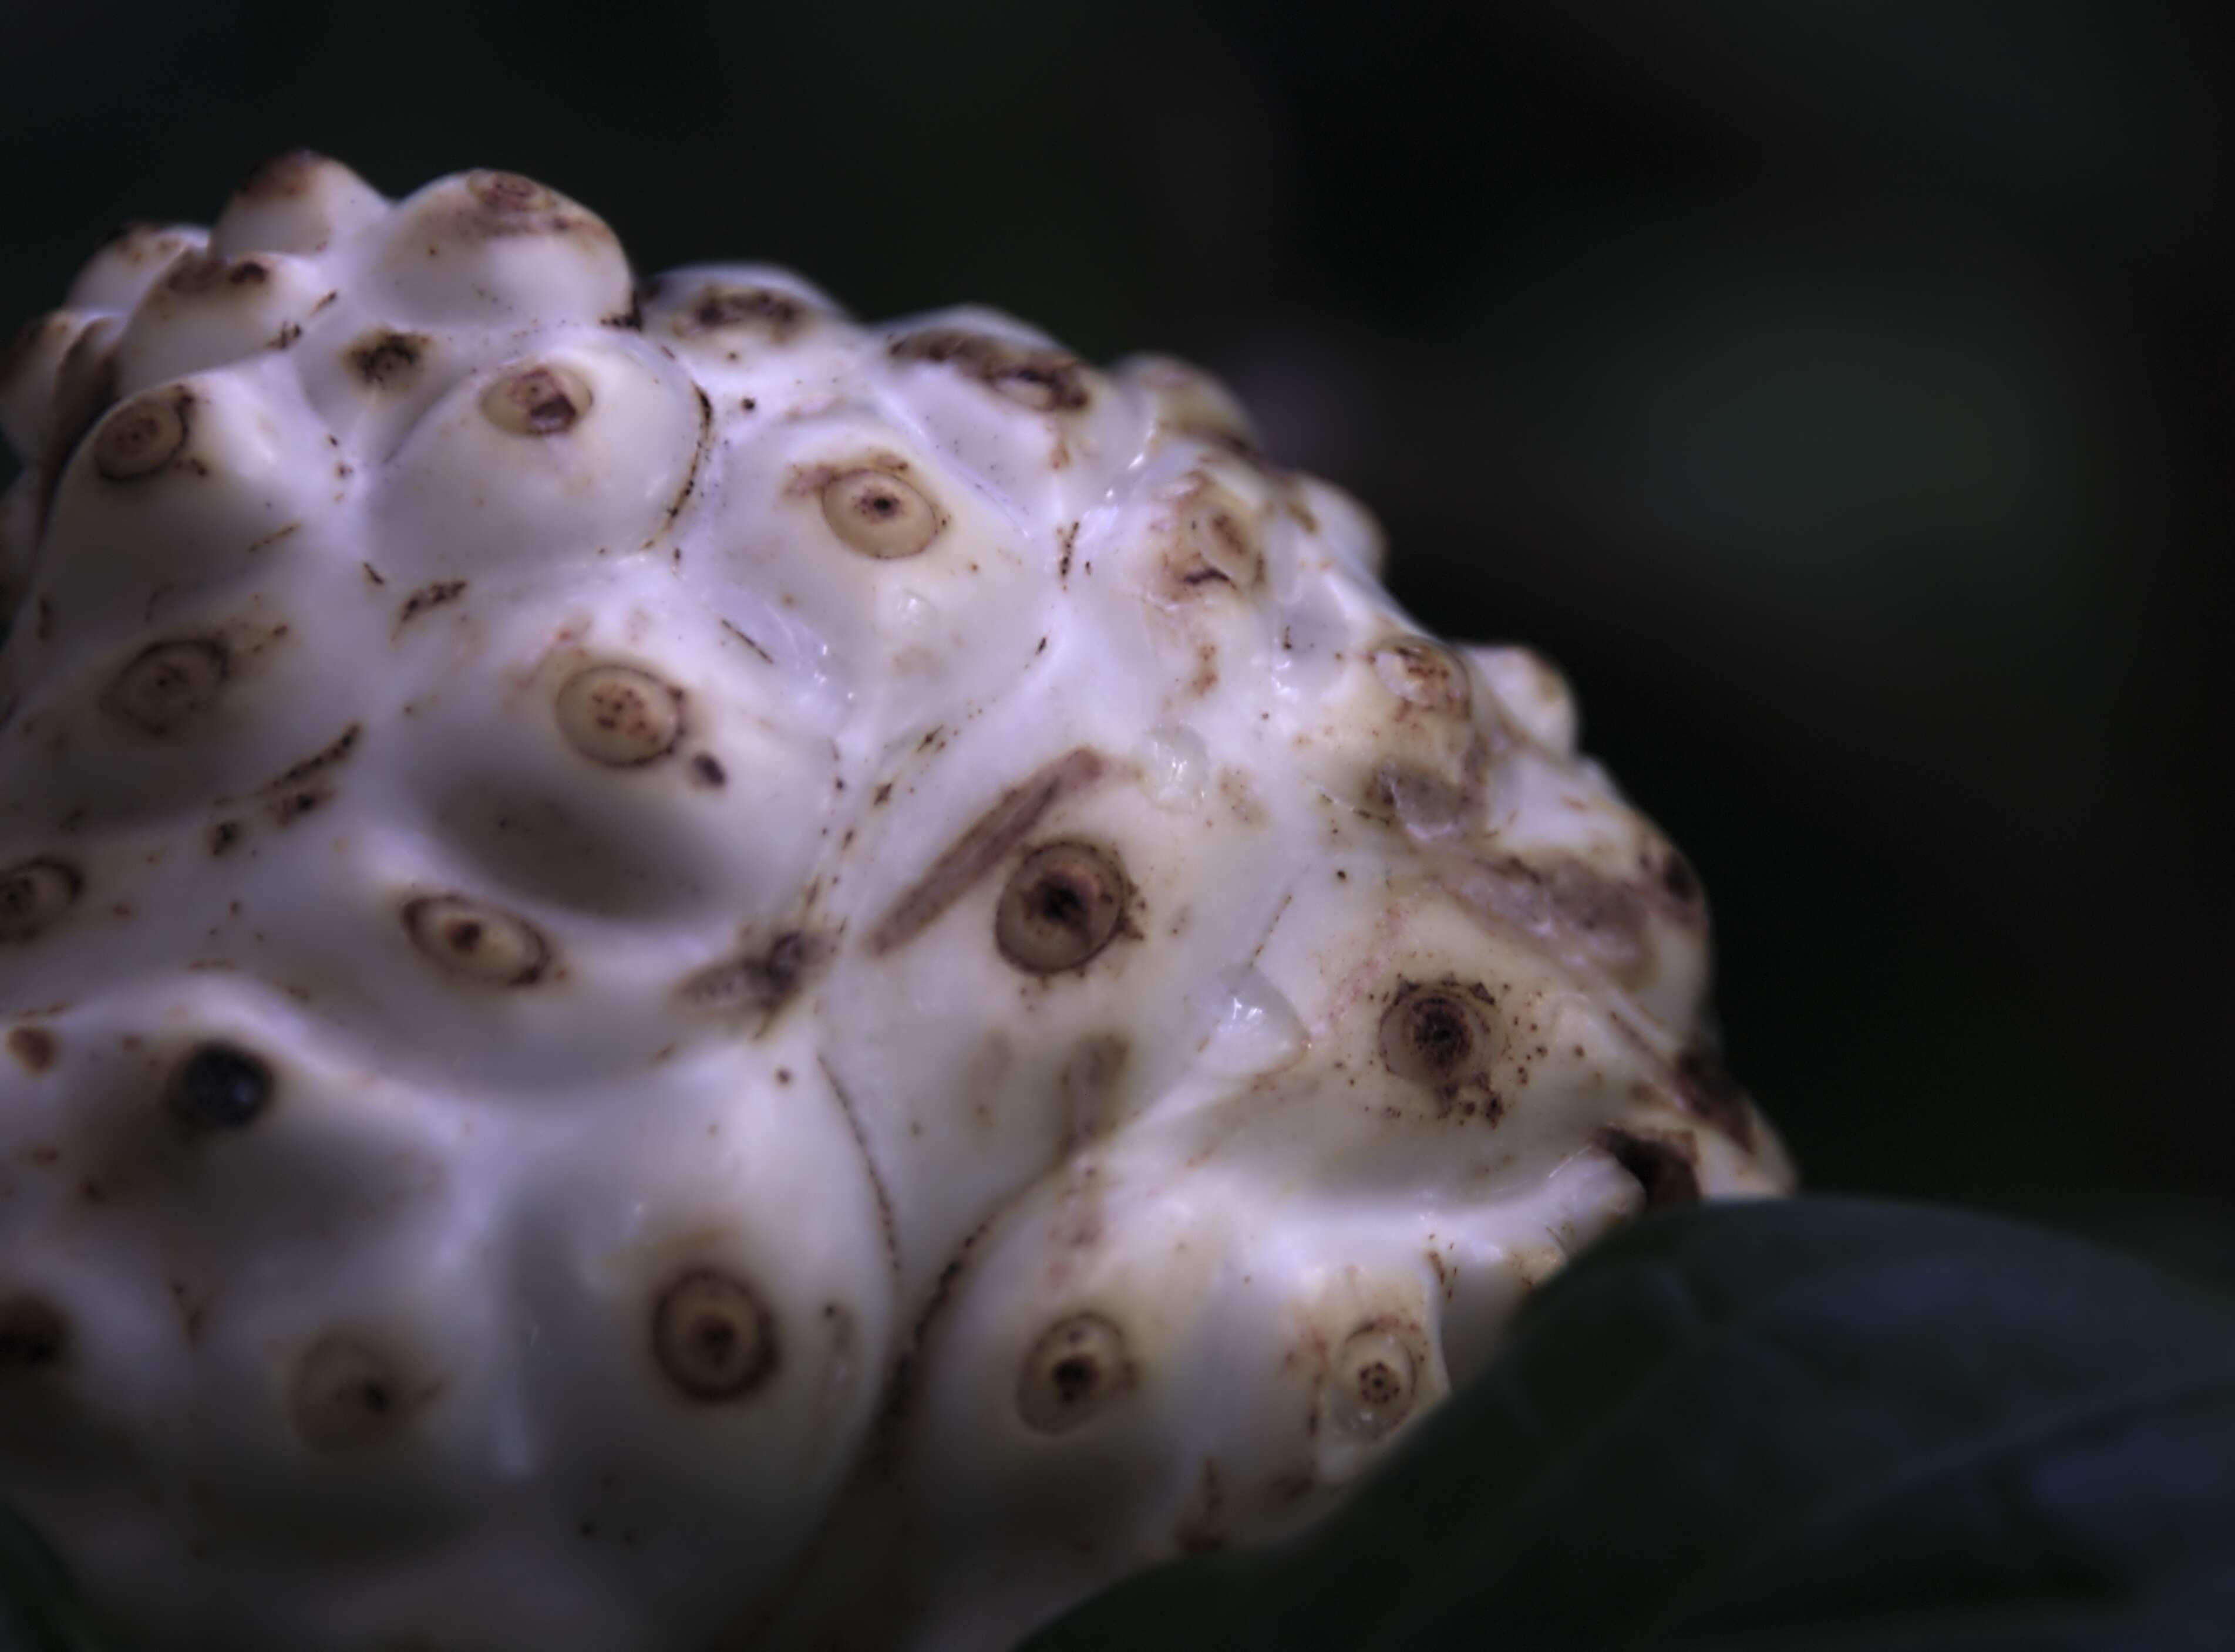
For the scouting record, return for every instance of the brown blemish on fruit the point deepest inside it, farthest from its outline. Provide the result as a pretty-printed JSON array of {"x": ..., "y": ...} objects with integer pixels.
[
  {"x": 1707, "y": 1090},
  {"x": 506, "y": 204},
  {"x": 34, "y": 893},
  {"x": 219, "y": 1087},
  {"x": 762, "y": 980},
  {"x": 167, "y": 684},
  {"x": 1213, "y": 547},
  {"x": 1091, "y": 1085},
  {"x": 1242, "y": 799},
  {"x": 1586, "y": 918},
  {"x": 307, "y": 785},
  {"x": 1061, "y": 906},
  {"x": 475, "y": 942},
  {"x": 1043, "y": 378},
  {"x": 1424, "y": 675},
  {"x": 1667, "y": 1167},
  {"x": 698, "y": 459},
  {"x": 546, "y": 400},
  {"x": 619, "y": 716},
  {"x": 984, "y": 845},
  {"x": 706, "y": 769},
  {"x": 223, "y": 836},
  {"x": 34, "y": 1046},
  {"x": 335, "y": 752},
  {"x": 389, "y": 361},
  {"x": 144, "y": 435},
  {"x": 1439, "y": 1035},
  {"x": 428, "y": 596},
  {"x": 1077, "y": 1369},
  {"x": 347, "y": 1396},
  {"x": 712, "y": 1337},
  {"x": 715, "y": 307},
  {"x": 198, "y": 274},
  {"x": 33, "y": 1335}
]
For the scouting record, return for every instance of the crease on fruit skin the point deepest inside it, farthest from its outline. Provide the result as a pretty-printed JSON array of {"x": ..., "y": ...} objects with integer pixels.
[{"x": 655, "y": 940}]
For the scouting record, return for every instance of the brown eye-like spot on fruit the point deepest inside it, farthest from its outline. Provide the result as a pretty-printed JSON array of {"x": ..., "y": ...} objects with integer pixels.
[
  {"x": 1424, "y": 673},
  {"x": 712, "y": 1337},
  {"x": 1372, "y": 1382},
  {"x": 1215, "y": 545},
  {"x": 547, "y": 399},
  {"x": 220, "y": 1086},
  {"x": 34, "y": 893},
  {"x": 143, "y": 435},
  {"x": 1036, "y": 377},
  {"x": 476, "y": 942},
  {"x": 507, "y": 194},
  {"x": 878, "y": 515},
  {"x": 1666, "y": 1167},
  {"x": 1436, "y": 1035},
  {"x": 763, "y": 309},
  {"x": 200, "y": 273},
  {"x": 347, "y": 1396},
  {"x": 34, "y": 1336},
  {"x": 167, "y": 684},
  {"x": 618, "y": 716},
  {"x": 1075, "y": 1369},
  {"x": 389, "y": 361},
  {"x": 1061, "y": 906}
]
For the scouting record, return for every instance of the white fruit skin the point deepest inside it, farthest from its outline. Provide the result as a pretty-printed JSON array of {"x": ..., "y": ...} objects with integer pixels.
[{"x": 747, "y": 1039}]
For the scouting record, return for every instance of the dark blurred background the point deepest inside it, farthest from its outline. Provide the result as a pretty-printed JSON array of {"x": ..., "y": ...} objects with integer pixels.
[{"x": 1839, "y": 392}]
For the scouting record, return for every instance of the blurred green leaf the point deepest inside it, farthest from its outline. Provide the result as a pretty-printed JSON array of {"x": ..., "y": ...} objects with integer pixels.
[{"x": 1816, "y": 1425}]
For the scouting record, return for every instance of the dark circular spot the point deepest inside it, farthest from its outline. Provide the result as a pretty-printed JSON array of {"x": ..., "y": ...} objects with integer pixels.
[
  {"x": 712, "y": 1337},
  {"x": 1437, "y": 1036},
  {"x": 878, "y": 515},
  {"x": 1077, "y": 1368},
  {"x": 1061, "y": 907},
  {"x": 220, "y": 1086}
]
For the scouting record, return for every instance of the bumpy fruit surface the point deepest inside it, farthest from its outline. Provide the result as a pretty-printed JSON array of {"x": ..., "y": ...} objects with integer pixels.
[{"x": 677, "y": 973}]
